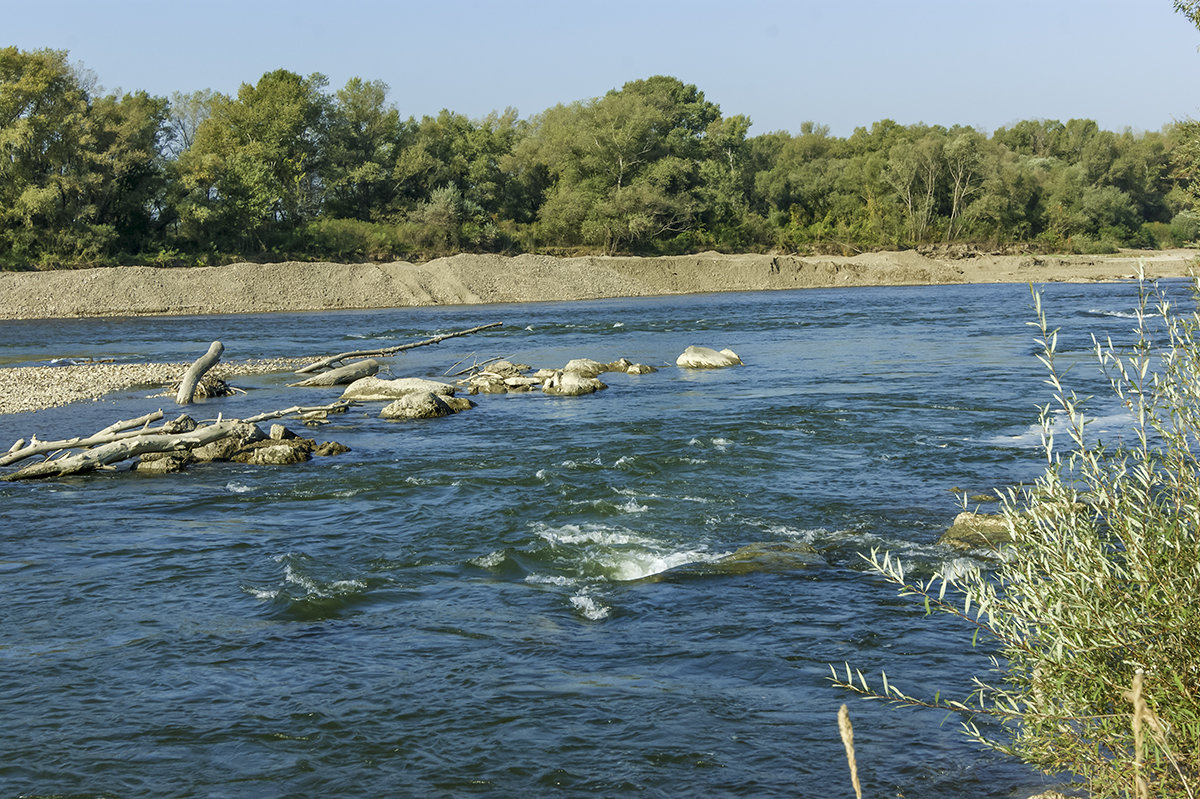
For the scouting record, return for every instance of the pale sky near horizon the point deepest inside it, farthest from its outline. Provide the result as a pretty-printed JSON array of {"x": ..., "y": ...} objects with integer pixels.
[{"x": 1124, "y": 63}]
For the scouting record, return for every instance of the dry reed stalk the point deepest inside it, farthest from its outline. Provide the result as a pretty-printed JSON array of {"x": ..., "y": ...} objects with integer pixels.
[
  {"x": 847, "y": 731},
  {"x": 1139, "y": 713}
]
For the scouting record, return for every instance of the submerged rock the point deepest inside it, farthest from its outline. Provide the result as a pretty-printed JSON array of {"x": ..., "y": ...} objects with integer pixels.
[
  {"x": 707, "y": 358},
  {"x": 769, "y": 556}
]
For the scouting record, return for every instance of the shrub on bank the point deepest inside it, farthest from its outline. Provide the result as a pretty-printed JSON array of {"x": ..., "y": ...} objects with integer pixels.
[{"x": 1094, "y": 609}]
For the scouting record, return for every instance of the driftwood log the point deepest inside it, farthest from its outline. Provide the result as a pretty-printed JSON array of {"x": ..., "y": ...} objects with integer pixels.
[
  {"x": 187, "y": 386},
  {"x": 325, "y": 363},
  {"x": 345, "y": 374}
]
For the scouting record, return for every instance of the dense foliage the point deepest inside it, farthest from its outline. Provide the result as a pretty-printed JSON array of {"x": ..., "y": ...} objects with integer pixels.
[{"x": 288, "y": 168}]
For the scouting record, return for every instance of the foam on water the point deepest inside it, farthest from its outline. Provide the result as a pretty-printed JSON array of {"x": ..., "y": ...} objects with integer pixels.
[
  {"x": 589, "y": 607},
  {"x": 607, "y": 553},
  {"x": 297, "y": 574}
]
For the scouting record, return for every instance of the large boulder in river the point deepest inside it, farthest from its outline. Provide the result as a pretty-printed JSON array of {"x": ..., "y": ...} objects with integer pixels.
[
  {"x": 426, "y": 405},
  {"x": 376, "y": 389},
  {"x": 571, "y": 384},
  {"x": 585, "y": 367},
  {"x": 707, "y": 358},
  {"x": 977, "y": 531}
]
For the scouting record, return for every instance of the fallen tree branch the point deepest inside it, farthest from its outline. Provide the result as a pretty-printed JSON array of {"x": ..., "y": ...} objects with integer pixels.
[
  {"x": 332, "y": 359},
  {"x": 187, "y": 387},
  {"x": 113, "y": 432},
  {"x": 477, "y": 365},
  {"x": 334, "y": 407},
  {"x": 92, "y": 459},
  {"x": 117, "y": 443}
]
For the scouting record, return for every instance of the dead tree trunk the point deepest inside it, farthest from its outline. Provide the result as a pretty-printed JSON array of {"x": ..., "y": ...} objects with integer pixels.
[{"x": 187, "y": 387}]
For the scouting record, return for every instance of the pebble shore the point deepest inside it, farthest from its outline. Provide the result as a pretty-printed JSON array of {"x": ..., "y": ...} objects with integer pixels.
[{"x": 32, "y": 388}]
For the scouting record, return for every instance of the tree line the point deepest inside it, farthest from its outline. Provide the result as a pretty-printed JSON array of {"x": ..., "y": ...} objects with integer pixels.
[{"x": 289, "y": 169}]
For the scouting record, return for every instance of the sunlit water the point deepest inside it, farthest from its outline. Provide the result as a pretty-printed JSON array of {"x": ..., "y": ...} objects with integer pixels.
[{"x": 528, "y": 598}]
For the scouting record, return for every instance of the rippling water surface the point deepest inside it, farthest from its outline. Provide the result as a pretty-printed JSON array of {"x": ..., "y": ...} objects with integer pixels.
[{"x": 528, "y": 597}]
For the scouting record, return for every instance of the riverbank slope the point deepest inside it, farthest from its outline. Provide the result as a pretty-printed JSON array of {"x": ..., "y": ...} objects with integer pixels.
[{"x": 475, "y": 279}]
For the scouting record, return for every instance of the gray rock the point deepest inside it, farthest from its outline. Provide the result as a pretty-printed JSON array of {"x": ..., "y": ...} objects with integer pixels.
[
  {"x": 571, "y": 384},
  {"x": 417, "y": 406},
  {"x": 585, "y": 367},
  {"x": 639, "y": 369},
  {"x": 375, "y": 389},
  {"x": 707, "y": 358},
  {"x": 488, "y": 384},
  {"x": 223, "y": 450},
  {"x": 161, "y": 462},
  {"x": 275, "y": 453},
  {"x": 505, "y": 369},
  {"x": 280, "y": 432}
]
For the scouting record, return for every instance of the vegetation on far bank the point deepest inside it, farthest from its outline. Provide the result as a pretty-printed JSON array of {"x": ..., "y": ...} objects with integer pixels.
[{"x": 289, "y": 169}]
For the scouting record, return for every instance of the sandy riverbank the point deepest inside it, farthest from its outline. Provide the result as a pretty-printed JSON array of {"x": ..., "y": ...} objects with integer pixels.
[
  {"x": 474, "y": 279},
  {"x": 468, "y": 279}
]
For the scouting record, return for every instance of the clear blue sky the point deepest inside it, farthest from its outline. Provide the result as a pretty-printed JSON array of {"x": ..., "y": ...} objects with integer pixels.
[{"x": 1124, "y": 63}]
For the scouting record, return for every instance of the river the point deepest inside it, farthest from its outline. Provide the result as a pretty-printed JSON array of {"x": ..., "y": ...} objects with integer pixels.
[{"x": 529, "y": 598}]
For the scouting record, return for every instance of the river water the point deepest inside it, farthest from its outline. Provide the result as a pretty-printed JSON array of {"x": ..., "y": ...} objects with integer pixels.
[{"x": 528, "y": 598}]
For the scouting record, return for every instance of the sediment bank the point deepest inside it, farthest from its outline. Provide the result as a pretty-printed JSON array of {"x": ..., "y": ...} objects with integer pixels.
[{"x": 476, "y": 279}]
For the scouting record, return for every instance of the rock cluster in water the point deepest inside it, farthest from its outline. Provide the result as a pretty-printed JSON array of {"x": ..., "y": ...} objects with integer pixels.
[{"x": 418, "y": 398}]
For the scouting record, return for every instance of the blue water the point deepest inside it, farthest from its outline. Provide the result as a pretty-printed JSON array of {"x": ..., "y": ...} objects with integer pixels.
[{"x": 526, "y": 598}]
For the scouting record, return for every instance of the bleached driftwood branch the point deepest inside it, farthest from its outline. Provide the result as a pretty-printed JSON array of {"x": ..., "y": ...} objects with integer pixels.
[
  {"x": 187, "y": 386},
  {"x": 302, "y": 410},
  {"x": 113, "y": 432},
  {"x": 91, "y": 459},
  {"x": 117, "y": 443},
  {"x": 345, "y": 374},
  {"x": 332, "y": 359}
]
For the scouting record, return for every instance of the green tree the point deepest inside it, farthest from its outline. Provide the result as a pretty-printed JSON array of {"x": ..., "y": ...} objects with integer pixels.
[
  {"x": 252, "y": 175},
  {"x": 625, "y": 166},
  {"x": 80, "y": 177},
  {"x": 364, "y": 141},
  {"x": 914, "y": 171},
  {"x": 964, "y": 156}
]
